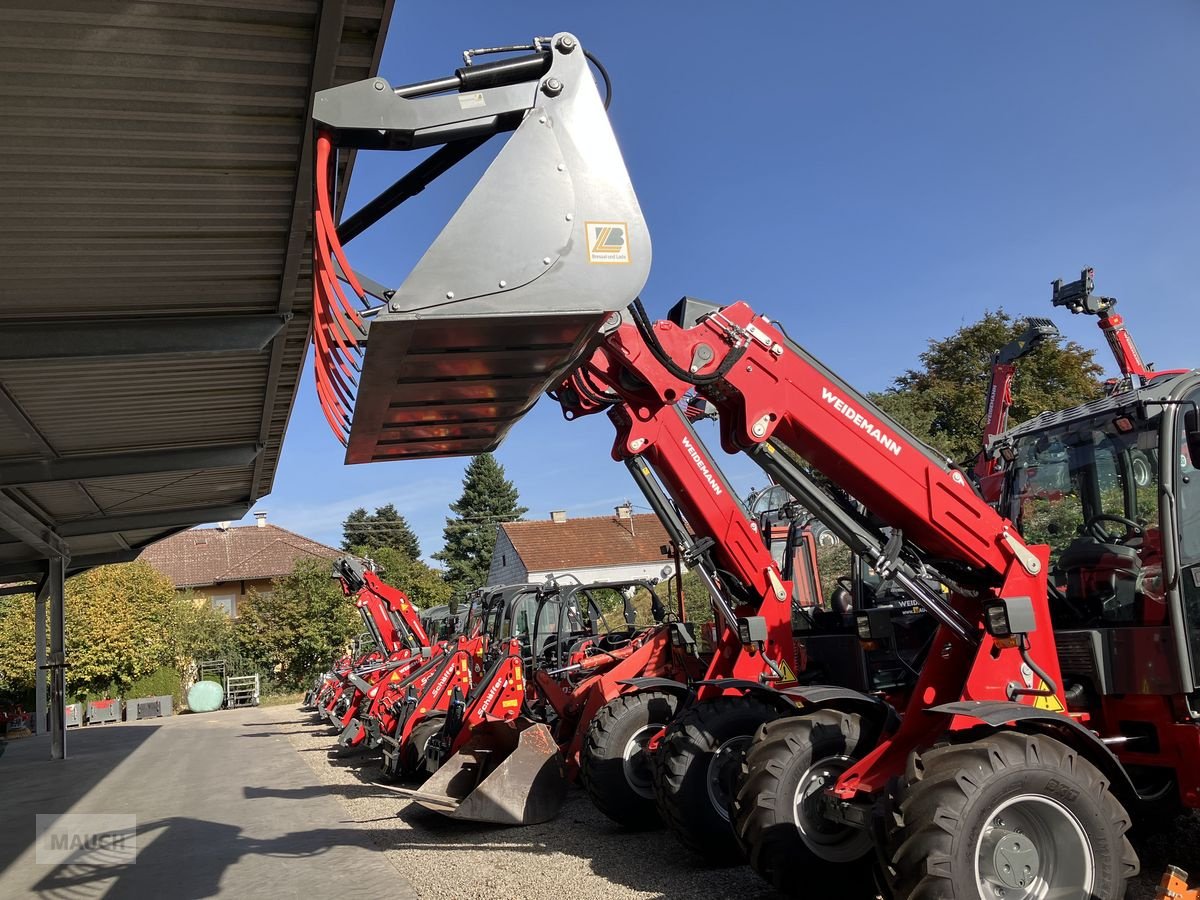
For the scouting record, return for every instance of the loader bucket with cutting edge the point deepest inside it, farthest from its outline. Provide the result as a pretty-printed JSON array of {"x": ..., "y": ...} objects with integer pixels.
[
  {"x": 508, "y": 773},
  {"x": 512, "y": 292}
]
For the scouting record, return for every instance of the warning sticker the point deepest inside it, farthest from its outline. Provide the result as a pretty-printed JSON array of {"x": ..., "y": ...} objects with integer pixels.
[
  {"x": 608, "y": 242},
  {"x": 785, "y": 671},
  {"x": 1050, "y": 703}
]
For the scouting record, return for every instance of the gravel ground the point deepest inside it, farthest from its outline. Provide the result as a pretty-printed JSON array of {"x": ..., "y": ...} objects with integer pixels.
[{"x": 581, "y": 854}]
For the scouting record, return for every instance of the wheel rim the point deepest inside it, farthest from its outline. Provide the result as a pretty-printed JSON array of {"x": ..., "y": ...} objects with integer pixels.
[
  {"x": 829, "y": 840},
  {"x": 635, "y": 762},
  {"x": 1033, "y": 848},
  {"x": 723, "y": 771}
]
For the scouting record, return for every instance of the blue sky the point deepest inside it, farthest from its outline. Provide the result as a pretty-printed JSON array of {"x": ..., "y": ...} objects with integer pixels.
[{"x": 872, "y": 174}]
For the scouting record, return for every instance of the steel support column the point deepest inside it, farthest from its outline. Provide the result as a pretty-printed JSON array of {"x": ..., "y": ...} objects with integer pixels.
[
  {"x": 39, "y": 642},
  {"x": 58, "y": 658}
]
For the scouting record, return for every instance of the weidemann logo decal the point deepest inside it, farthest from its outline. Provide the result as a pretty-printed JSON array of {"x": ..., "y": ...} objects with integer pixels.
[
  {"x": 885, "y": 440},
  {"x": 703, "y": 467}
]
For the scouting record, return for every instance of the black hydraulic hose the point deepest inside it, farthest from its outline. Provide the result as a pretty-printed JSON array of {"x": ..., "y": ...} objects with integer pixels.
[
  {"x": 642, "y": 321},
  {"x": 603, "y": 74},
  {"x": 1050, "y": 690}
]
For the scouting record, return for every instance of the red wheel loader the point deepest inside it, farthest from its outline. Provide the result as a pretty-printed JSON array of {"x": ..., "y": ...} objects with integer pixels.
[{"x": 990, "y": 775}]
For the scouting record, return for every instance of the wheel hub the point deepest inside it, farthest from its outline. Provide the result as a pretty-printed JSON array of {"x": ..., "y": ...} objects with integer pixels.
[
  {"x": 1014, "y": 857},
  {"x": 635, "y": 762},
  {"x": 830, "y": 840},
  {"x": 723, "y": 771},
  {"x": 1033, "y": 848}
]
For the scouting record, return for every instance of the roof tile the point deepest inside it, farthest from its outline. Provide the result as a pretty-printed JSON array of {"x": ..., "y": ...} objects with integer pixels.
[
  {"x": 580, "y": 543},
  {"x": 203, "y": 556}
]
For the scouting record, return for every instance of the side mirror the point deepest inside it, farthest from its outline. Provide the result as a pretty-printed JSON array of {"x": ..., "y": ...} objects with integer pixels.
[{"x": 1191, "y": 433}]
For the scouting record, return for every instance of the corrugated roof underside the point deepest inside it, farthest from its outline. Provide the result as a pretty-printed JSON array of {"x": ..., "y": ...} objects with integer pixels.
[{"x": 150, "y": 165}]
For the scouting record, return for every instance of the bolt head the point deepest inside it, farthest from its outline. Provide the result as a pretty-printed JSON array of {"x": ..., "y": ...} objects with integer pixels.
[
  {"x": 503, "y": 283},
  {"x": 379, "y": 85},
  {"x": 566, "y": 43},
  {"x": 449, "y": 295},
  {"x": 546, "y": 260},
  {"x": 552, "y": 87}
]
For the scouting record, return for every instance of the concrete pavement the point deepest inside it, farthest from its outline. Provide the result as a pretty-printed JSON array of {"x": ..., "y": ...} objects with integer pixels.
[{"x": 223, "y": 806}]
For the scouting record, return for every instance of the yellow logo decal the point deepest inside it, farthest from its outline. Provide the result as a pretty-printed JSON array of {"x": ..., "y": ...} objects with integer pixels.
[
  {"x": 509, "y": 704},
  {"x": 608, "y": 242}
]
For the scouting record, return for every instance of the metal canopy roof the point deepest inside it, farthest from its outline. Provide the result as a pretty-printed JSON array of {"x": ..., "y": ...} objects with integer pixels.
[{"x": 155, "y": 185}]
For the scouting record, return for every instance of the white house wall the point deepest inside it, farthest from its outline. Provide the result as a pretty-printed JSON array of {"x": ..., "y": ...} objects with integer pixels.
[{"x": 647, "y": 571}]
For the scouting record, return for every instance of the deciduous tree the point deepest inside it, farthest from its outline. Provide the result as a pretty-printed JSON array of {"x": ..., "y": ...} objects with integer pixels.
[{"x": 943, "y": 401}]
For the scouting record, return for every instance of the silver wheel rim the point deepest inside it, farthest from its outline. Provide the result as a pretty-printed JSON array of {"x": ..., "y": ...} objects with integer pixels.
[
  {"x": 635, "y": 762},
  {"x": 1033, "y": 848},
  {"x": 722, "y": 768},
  {"x": 828, "y": 840}
]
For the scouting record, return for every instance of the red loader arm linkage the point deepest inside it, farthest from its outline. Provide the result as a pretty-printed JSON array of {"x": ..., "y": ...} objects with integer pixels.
[
  {"x": 1079, "y": 299},
  {"x": 999, "y": 398},
  {"x": 388, "y": 613},
  {"x": 771, "y": 394},
  {"x": 655, "y": 435}
]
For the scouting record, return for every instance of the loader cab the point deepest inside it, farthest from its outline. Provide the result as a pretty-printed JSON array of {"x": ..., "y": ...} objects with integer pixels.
[
  {"x": 1112, "y": 488},
  {"x": 580, "y": 619}
]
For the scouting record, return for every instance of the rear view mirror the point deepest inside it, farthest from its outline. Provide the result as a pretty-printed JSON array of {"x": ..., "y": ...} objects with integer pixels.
[{"x": 1191, "y": 434}]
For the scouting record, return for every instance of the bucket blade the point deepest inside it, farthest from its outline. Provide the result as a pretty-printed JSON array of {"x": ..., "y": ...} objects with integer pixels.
[{"x": 506, "y": 773}]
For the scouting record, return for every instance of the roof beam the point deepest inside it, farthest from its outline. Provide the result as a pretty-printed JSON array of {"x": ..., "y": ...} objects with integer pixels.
[
  {"x": 11, "y": 590},
  {"x": 11, "y": 409},
  {"x": 117, "y": 337},
  {"x": 32, "y": 569},
  {"x": 167, "y": 518},
  {"x": 29, "y": 529},
  {"x": 139, "y": 462}
]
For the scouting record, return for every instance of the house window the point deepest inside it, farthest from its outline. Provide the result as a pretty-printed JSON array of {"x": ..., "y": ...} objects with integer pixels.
[
  {"x": 504, "y": 559},
  {"x": 225, "y": 602}
]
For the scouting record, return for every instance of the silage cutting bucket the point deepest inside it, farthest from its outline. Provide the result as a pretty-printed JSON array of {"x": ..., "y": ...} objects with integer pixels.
[
  {"x": 512, "y": 292},
  {"x": 509, "y": 773}
]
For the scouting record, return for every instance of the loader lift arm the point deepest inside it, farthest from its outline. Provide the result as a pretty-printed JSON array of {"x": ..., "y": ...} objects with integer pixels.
[
  {"x": 999, "y": 396},
  {"x": 772, "y": 396}
]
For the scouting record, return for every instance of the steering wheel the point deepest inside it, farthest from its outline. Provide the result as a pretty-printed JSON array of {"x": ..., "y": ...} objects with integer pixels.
[
  {"x": 617, "y": 637},
  {"x": 1094, "y": 526}
]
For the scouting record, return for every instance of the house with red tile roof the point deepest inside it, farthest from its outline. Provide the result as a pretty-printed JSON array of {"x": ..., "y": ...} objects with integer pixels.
[
  {"x": 224, "y": 564},
  {"x": 596, "y": 548}
]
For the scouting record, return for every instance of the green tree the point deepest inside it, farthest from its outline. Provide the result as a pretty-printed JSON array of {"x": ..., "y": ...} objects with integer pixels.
[
  {"x": 488, "y": 499},
  {"x": 385, "y": 527},
  {"x": 943, "y": 401},
  {"x": 17, "y": 666},
  {"x": 422, "y": 583},
  {"x": 118, "y": 626},
  {"x": 296, "y": 629}
]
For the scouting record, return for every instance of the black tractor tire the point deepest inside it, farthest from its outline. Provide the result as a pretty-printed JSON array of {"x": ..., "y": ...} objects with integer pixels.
[
  {"x": 796, "y": 755},
  {"x": 616, "y": 774},
  {"x": 697, "y": 769},
  {"x": 412, "y": 754},
  {"x": 959, "y": 806}
]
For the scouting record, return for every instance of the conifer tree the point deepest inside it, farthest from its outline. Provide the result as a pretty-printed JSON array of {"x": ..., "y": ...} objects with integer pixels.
[
  {"x": 487, "y": 500},
  {"x": 385, "y": 527}
]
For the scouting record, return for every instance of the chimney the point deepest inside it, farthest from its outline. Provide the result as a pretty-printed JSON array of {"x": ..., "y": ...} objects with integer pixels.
[
  {"x": 558, "y": 516},
  {"x": 625, "y": 510},
  {"x": 223, "y": 526},
  {"x": 260, "y": 519}
]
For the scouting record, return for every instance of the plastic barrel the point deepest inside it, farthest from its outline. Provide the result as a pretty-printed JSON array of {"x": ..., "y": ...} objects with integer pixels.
[{"x": 205, "y": 696}]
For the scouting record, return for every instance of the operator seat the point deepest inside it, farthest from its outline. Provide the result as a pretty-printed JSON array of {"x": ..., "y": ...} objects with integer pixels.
[{"x": 1102, "y": 580}]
